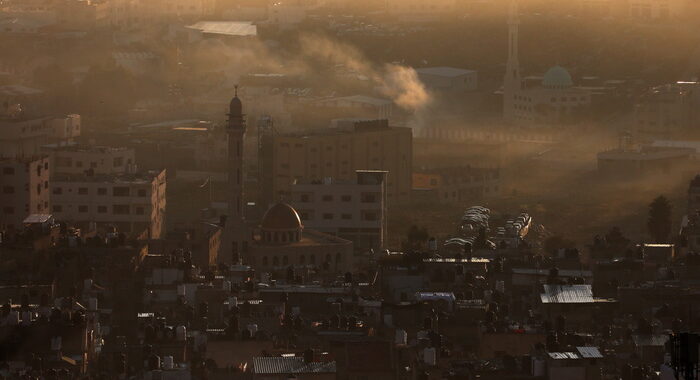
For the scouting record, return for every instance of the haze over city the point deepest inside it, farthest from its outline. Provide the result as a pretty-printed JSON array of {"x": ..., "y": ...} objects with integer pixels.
[{"x": 350, "y": 190}]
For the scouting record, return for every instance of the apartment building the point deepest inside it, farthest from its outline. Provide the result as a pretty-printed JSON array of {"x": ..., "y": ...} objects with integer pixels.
[
  {"x": 133, "y": 202},
  {"x": 353, "y": 210},
  {"x": 99, "y": 160},
  {"x": 23, "y": 136},
  {"x": 24, "y": 190},
  {"x": 338, "y": 153}
]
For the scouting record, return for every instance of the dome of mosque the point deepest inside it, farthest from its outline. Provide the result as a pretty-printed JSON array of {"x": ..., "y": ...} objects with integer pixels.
[
  {"x": 557, "y": 77},
  {"x": 281, "y": 216}
]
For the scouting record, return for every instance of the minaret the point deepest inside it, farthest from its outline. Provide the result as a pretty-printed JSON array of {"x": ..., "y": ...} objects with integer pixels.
[
  {"x": 511, "y": 81},
  {"x": 234, "y": 230}
]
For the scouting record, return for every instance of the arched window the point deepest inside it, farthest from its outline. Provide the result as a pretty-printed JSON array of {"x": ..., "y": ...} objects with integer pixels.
[
  {"x": 302, "y": 259},
  {"x": 264, "y": 261},
  {"x": 275, "y": 237},
  {"x": 275, "y": 261}
]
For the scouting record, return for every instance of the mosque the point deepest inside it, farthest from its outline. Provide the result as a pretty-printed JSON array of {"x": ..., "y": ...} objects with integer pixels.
[
  {"x": 550, "y": 99},
  {"x": 279, "y": 240}
]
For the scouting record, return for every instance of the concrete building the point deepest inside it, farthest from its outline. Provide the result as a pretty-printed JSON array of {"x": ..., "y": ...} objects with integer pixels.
[
  {"x": 132, "y": 202},
  {"x": 23, "y": 136},
  {"x": 457, "y": 185},
  {"x": 339, "y": 153},
  {"x": 551, "y": 99},
  {"x": 668, "y": 109},
  {"x": 448, "y": 79},
  {"x": 353, "y": 210},
  {"x": 420, "y": 11},
  {"x": 643, "y": 161},
  {"x": 24, "y": 190},
  {"x": 99, "y": 160},
  {"x": 359, "y": 106}
]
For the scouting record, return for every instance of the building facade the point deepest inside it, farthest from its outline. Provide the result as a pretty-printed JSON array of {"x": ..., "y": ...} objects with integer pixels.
[
  {"x": 99, "y": 160},
  {"x": 353, "y": 210},
  {"x": 131, "y": 202},
  {"x": 668, "y": 109},
  {"x": 24, "y": 190},
  {"x": 338, "y": 154}
]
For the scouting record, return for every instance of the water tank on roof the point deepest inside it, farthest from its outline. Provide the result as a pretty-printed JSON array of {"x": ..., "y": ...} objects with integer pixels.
[
  {"x": 181, "y": 333},
  {"x": 401, "y": 337},
  {"x": 168, "y": 362},
  {"x": 430, "y": 356}
]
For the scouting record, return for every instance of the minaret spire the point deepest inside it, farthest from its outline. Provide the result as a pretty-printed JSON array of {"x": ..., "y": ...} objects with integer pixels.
[{"x": 511, "y": 79}]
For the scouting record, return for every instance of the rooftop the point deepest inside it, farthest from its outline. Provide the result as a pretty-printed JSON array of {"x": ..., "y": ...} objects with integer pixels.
[
  {"x": 226, "y": 28},
  {"x": 444, "y": 71},
  {"x": 289, "y": 365},
  {"x": 567, "y": 294}
]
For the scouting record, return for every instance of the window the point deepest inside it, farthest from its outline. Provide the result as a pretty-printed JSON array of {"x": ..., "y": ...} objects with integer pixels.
[
  {"x": 346, "y": 216},
  {"x": 46, "y": 184},
  {"x": 302, "y": 259},
  {"x": 57, "y": 190},
  {"x": 120, "y": 209},
  {"x": 8, "y": 171},
  {"x": 369, "y": 197},
  {"x": 8, "y": 210},
  {"x": 139, "y": 210},
  {"x": 120, "y": 191},
  {"x": 142, "y": 192},
  {"x": 346, "y": 198},
  {"x": 82, "y": 190},
  {"x": 369, "y": 215},
  {"x": 8, "y": 189},
  {"x": 118, "y": 161},
  {"x": 78, "y": 164},
  {"x": 93, "y": 165},
  {"x": 328, "y": 216},
  {"x": 304, "y": 198},
  {"x": 101, "y": 191},
  {"x": 82, "y": 208},
  {"x": 327, "y": 198},
  {"x": 264, "y": 261},
  {"x": 57, "y": 208},
  {"x": 102, "y": 209}
]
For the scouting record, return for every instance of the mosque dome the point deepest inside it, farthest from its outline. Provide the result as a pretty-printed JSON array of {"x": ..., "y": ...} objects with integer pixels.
[
  {"x": 557, "y": 77},
  {"x": 281, "y": 216}
]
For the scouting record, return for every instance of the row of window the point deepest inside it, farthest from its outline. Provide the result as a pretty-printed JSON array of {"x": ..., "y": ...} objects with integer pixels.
[
  {"x": 276, "y": 261},
  {"x": 364, "y": 198},
  {"x": 366, "y": 216},
  {"x": 116, "y": 191},
  {"x": 9, "y": 210},
  {"x": 116, "y": 209},
  {"x": 67, "y": 162}
]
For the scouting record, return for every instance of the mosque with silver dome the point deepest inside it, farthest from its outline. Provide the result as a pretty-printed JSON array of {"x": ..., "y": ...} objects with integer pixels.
[{"x": 550, "y": 99}]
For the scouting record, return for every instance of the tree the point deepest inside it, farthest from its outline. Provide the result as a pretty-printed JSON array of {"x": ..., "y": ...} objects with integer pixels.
[{"x": 659, "y": 222}]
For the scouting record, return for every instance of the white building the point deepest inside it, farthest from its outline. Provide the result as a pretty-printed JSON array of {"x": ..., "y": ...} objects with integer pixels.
[
  {"x": 99, "y": 160},
  {"x": 131, "y": 202},
  {"x": 24, "y": 189},
  {"x": 24, "y": 136},
  {"x": 353, "y": 210},
  {"x": 420, "y": 10},
  {"x": 448, "y": 79},
  {"x": 555, "y": 99},
  {"x": 361, "y": 105}
]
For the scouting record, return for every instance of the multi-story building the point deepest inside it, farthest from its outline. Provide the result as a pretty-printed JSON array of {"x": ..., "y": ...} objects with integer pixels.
[
  {"x": 23, "y": 136},
  {"x": 668, "y": 109},
  {"x": 98, "y": 160},
  {"x": 132, "y": 202},
  {"x": 457, "y": 185},
  {"x": 338, "y": 153},
  {"x": 353, "y": 210},
  {"x": 24, "y": 190}
]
